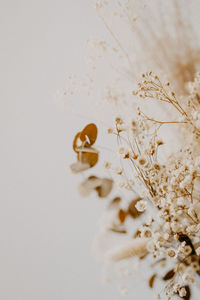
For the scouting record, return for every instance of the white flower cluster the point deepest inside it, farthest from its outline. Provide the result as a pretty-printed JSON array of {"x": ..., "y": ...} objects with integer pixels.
[{"x": 168, "y": 190}]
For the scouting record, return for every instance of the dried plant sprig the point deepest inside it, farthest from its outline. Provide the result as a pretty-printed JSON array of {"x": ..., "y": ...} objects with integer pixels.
[
  {"x": 152, "y": 87},
  {"x": 86, "y": 155}
]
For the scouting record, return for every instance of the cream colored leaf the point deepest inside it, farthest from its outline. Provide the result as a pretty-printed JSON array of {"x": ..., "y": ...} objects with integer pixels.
[
  {"x": 105, "y": 188},
  {"x": 88, "y": 185},
  {"x": 79, "y": 167}
]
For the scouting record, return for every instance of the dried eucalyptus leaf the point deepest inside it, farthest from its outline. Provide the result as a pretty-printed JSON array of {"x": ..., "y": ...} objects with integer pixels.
[
  {"x": 105, "y": 188},
  {"x": 89, "y": 134},
  {"x": 90, "y": 158},
  {"x": 88, "y": 185},
  {"x": 79, "y": 167},
  {"x": 75, "y": 142}
]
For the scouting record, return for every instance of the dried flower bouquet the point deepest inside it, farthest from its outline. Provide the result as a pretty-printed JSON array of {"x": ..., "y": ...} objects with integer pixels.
[{"x": 158, "y": 141}]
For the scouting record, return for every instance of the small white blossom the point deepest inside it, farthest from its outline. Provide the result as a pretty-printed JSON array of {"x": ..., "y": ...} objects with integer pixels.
[{"x": 141, "y": 205}]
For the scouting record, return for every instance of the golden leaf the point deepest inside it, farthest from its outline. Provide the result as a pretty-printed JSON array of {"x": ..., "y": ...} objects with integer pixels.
[
  {"x": 75, "y": 141},
  {"x": 89, "y": 134},
  {"x": 105, "y": 188},
  {"x": 122, "y": 215},
  {"x": 90, "y": 158},
  {"x": 88, "y": 185}
]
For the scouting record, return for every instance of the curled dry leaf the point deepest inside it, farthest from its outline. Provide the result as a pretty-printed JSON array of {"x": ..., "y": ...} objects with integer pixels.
[
  {"x": 89, "y": 134},
  {"x": 85, "y": 138},
  {"x": 86, "y": 155},
  {"x": 103, "y": 186},
  {"x": 90, "y": 158},
  {"x": 88, "y": 185}
]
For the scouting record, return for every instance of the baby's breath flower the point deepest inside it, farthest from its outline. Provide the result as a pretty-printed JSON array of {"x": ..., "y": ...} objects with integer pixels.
[
  {"x": 142, "y": 161},
  {"x": 110, "y": 130},
  {"x": 141, "y": 205},
  {"x": 171, "y": 252},
  {"x": 182, "y": 292}
]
